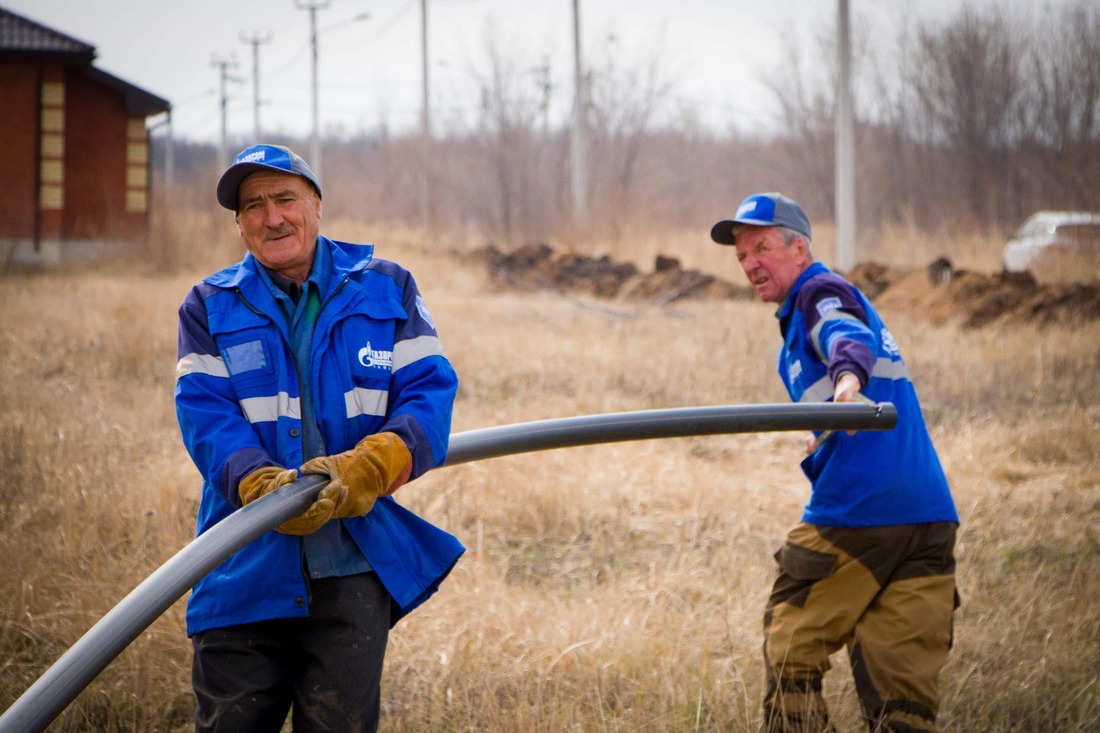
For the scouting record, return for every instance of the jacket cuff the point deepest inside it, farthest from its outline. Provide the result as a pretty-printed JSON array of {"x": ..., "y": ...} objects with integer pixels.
[{"x": 239, "y": 465}]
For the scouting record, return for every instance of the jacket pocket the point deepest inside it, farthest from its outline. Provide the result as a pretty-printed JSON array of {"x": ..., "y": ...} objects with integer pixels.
[{"x": 249, "y": 358}]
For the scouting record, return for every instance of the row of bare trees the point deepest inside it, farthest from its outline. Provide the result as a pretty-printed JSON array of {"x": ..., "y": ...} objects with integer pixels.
[{"x": 977, "y": 120}]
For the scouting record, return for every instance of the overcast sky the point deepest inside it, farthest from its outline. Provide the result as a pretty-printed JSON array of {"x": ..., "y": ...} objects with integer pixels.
[{"x": 714, "y": 51}]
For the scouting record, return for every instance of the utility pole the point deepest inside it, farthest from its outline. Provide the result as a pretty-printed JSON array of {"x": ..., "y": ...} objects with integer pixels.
[
  {"x": 255, "y": 40},
  {"x": 542, "y": 73},
  {"x": 315, "y": 139},
  {"x": 845, "y": 148},
  {"x": 580, "y": 121},
  {"x": 169, "y": 158},
  {"x": 425, "y": 126},
  {"x": 223, "y": 65}
]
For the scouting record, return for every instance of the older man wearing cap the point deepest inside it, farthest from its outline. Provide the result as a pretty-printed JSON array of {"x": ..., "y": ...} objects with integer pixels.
[
  {"x": 309, "y": 356},
  {"x": 870, "y": 566}
]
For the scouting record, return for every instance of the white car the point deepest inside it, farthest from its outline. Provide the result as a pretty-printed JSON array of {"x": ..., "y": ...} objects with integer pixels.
[{"x": 1048, "y": 232}]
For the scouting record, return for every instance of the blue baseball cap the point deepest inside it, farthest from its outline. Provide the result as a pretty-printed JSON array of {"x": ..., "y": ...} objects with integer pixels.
[
  {"x": 261, "y": 158},
  {"x": 762, "y": 210}
]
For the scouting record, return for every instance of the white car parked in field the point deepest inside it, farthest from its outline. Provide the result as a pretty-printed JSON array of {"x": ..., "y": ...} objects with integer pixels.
[{"x": 1048, "y": 233}]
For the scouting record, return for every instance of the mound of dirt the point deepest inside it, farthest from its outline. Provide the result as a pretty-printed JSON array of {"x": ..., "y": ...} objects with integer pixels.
[
  {"x": 972, "y": 299},
  {"x": 939, "y": 292},
  {"x": 538, "y": 266}
]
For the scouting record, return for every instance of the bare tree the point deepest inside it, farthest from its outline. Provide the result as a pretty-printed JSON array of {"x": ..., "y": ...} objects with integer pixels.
[
  {"x": 967, "y": 80},
  {"x": 512, "y": 103},
  {"x": 1065, "y": 71},
  {"x": 805, "y": 90},
  {"x": 624, "y": 99}
]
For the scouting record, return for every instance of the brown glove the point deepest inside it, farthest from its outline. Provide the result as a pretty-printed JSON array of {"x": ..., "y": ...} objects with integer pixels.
[
  {"x": 265, "y": 480},
  {"x": 375, "y": 467}
]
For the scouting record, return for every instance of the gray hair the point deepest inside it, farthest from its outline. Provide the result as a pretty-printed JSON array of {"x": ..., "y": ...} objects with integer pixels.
[{"x": 789, "y": 235}]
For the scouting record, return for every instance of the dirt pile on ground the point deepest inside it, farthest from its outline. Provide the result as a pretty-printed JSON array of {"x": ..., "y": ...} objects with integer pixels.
[
  {"x": 939, "y": 292},
  {"x": 538, "y": 266},
  {"x": 972, "y": 299}
]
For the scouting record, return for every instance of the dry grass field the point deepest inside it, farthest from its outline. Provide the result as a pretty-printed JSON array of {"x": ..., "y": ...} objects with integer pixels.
[{"x": 605, "y": 588}]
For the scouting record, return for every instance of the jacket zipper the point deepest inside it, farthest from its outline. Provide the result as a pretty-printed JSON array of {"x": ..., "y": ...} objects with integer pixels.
[{"x": 302, "y": 565}]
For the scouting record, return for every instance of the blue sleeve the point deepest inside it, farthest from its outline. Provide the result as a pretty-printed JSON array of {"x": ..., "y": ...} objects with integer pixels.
[
  {"x": 215, "y": 432},
  {"x": 838, "y": 327}
]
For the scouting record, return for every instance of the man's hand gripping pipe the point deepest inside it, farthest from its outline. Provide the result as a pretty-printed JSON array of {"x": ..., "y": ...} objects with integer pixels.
[{"x": 826, "y": 434}]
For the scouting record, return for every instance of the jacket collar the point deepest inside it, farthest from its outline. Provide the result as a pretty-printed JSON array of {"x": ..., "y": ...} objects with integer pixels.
[
  {"x": 815, "y": 269},
  {"x": 346, "y": 259}
]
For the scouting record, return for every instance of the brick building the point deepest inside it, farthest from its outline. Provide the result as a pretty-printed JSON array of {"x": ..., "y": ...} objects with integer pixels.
[{"x": 75, "y": 151}]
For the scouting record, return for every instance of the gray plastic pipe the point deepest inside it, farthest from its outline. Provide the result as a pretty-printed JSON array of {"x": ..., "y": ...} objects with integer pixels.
[{"x": 61, "y": 683}]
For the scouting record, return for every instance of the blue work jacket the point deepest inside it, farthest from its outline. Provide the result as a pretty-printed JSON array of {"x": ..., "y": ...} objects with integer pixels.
[
  {"x": 377, "y": 365},
  {"x": 871, "y": 478}
]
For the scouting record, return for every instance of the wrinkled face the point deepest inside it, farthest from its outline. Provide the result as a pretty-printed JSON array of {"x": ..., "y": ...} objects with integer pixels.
[
  {"x": 771, "y": 265},
  {"x": 279, "y": 217}
]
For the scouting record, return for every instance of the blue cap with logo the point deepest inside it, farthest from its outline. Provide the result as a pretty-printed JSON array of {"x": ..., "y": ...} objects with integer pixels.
[
  {"x": 762, "y": 210},
  {"x": 261, "y": 158}
]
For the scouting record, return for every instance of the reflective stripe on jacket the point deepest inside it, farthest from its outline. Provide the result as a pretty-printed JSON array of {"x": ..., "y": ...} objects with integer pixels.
[{"x": 377, "y": 365}]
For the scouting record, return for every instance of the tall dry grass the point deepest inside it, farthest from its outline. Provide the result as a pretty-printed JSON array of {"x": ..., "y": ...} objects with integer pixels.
[{"x": 606, "y": 588}]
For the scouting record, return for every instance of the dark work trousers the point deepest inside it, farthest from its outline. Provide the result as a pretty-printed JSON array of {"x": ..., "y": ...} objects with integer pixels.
[
  {"x": 888, "y": 595},
  {"x": 326, "y": 667}
]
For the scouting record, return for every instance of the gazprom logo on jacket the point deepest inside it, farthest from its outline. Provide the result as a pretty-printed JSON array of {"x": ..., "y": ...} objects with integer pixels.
[
  {"x": 889, "y": 343},
  {"x": 371, "y": 358}
]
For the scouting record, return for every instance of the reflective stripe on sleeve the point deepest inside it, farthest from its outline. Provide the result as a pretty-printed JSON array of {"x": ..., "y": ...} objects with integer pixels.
[
  {"x": 201, "y": 364},
  {"x": 830, "y": 316},
  {"x": 412, "y": 350}
]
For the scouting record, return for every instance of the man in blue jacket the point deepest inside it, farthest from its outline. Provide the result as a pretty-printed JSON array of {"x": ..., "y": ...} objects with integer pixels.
[
  {"x": 309, "y": 356},
  {"x": 871, "y": 564}
]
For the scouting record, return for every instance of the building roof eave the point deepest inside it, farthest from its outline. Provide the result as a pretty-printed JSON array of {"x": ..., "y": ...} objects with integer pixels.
[{"x": 137, "y": 100}]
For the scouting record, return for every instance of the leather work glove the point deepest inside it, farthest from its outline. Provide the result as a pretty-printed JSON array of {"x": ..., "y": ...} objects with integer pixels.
[
  {"x": 264, "y": 480},
  {"x": 376, "y": 466}
]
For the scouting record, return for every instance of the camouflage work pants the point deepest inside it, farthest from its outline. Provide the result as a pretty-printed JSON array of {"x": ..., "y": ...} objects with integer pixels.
[{"x": 888, "y": 595}]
